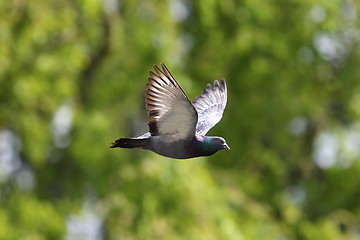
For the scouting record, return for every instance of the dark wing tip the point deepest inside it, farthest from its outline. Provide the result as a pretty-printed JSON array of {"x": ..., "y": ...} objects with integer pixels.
[
  {"x": 151, "y": 73},
  {"x": 163, "y": 66},
  {"x": 221, "y": 85},
  {"x": 168, "y": 74},
  {"x": 115, "y": 144},
  {"x": 158, "y": 71}
]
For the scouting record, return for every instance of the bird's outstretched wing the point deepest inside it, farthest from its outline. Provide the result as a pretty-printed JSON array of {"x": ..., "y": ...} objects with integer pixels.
[
  {"x": 210, "y": 106},
  {"x": 170, "y": 110}
]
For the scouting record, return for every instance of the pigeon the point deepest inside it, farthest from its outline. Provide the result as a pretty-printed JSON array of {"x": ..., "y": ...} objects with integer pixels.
[{"x": 177, "y": 126}]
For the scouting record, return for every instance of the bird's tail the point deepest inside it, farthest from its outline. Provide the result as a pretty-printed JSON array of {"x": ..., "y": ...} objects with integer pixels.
[{"x": 130, "y": 143}]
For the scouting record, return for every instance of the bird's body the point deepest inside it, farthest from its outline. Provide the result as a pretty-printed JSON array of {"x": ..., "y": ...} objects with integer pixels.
[
  {"x": 177, "y": 126},
  {"x": 180, "y": 149}
]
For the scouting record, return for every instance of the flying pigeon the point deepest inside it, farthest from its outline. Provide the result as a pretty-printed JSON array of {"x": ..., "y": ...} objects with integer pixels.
[{"x": 177, "y": 126}]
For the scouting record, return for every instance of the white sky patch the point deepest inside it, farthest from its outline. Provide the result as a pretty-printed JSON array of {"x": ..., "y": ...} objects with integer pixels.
[
  {"x": 350, "y": 147},
  {"x": 328, "y": 46},
  {"x": 84, "y": 226},
  {"x": 178, "y": 10},
  {"x": 325, "y": 150},
  {"x": 339, "y": 148},
  {"x": 336, "y": 44},
  {"x": 61, "y": 125},
  {"x": 9, "y": 154}
]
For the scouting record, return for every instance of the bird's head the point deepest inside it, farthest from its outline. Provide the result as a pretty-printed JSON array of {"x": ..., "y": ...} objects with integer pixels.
[
  {"x": 219, "y": 142},
  {"x": 210, "y": 145}
]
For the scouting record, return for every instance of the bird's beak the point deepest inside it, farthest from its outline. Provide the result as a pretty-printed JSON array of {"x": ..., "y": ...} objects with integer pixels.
[{"x": 226, "y": 146}]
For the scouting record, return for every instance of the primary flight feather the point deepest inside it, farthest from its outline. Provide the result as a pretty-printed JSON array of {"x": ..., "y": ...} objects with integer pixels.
[{"x": 177, "y": 126}]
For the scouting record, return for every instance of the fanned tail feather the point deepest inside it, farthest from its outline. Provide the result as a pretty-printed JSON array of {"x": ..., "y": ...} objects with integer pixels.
[{"x": 129, "y": 143}]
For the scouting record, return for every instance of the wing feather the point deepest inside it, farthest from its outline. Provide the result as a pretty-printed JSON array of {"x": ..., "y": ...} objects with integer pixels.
[
  {"x": 171, "y": 112},
  {"x": 210, "y": 106}
]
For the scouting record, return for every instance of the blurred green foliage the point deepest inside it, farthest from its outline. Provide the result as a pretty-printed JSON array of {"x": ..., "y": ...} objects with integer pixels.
[{"x": 72, "y": 80}]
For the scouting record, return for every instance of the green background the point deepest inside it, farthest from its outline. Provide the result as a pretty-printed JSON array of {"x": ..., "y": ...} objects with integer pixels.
[{"x": 72, "y": 80}]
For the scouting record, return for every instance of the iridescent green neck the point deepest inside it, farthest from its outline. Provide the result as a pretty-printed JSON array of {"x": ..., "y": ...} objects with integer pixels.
[{"x": 204, "y": 145}]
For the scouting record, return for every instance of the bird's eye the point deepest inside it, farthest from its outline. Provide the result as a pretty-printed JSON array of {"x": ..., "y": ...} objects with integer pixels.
[{"x": 219, "y": 140}]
